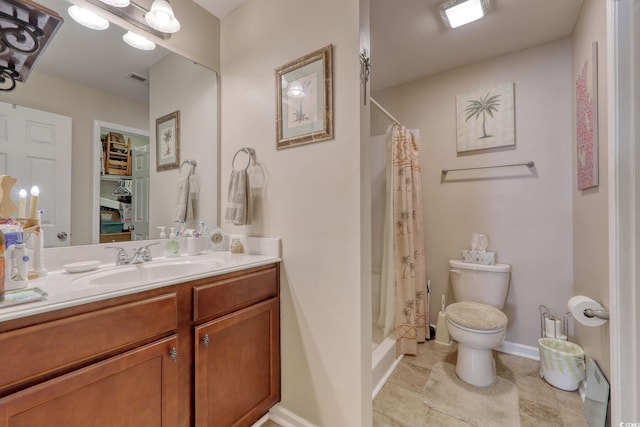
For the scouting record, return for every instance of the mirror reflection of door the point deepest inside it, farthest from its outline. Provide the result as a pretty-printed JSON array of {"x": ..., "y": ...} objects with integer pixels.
[
  {"x": 122, "y": 204},
  {"x": 35, "y": 148}
]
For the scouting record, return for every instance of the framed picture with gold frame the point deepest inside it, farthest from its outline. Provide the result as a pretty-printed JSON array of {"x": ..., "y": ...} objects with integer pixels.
[
  {"x": 304, "y": 99},
  {"x": 168, "y": 141}
]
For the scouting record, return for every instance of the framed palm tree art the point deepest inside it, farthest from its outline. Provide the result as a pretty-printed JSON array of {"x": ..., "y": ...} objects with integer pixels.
[
  {"x": 485, "y": 118},
  {"x": 168, "y": 141},
  {"x": 304, "y": 99}
]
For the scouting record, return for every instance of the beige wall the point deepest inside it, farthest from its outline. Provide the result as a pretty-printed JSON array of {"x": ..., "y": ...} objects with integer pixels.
[
  {"x": 308, "y": 195},
  {"x": 525, "y": 213},
  {"x": 179, "y": 85},
  {"x": 83, "y": 105},
  {"x": 590, "y": 207}
]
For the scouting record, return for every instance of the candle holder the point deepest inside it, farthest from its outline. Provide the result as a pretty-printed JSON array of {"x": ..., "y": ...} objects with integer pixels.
[{"x": 28, "y": 223}]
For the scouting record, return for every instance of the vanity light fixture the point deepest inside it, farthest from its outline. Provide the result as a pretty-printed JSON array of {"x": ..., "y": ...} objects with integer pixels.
[
  {"x": 133, "y": 14},
  {"x": 117, "y": 3},
  {"x": 161, "y": 17},
  {"x": 456, "y": 13},
  {"x": 138, "y": 41},
  {"x": 87, "y": 18}
]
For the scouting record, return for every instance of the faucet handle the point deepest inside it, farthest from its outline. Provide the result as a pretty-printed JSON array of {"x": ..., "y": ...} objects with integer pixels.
[
  {"x": 145, "y": 252},
  {"x": 122, "y": 254}
]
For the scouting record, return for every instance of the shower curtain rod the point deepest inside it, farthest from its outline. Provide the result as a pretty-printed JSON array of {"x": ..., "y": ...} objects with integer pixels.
[{"x": 386, "y": 113}]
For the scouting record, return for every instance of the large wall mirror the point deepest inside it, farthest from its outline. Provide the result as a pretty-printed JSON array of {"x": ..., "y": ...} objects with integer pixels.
[{"x": 99, "y": 82}]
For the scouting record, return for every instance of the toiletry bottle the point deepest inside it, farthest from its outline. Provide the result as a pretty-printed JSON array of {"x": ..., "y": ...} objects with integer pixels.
[
  {"x": 236, "y": 246},
  {"x": 172, "y": 247},
  {"x": 163, "y": 235}
]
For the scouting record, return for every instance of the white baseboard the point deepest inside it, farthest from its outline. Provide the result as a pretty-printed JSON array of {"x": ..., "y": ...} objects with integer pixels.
[
  {"x": 520, "y": 350},
  {"x": 281, "y": 415},
  {"x": 378, "y": 387}
]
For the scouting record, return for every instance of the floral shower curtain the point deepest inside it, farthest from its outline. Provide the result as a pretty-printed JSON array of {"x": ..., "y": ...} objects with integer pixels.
[{"x": 411, "y": 310}]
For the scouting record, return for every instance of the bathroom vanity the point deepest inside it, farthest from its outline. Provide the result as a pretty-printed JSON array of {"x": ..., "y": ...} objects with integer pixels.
[{"x": 204, "y": 351}]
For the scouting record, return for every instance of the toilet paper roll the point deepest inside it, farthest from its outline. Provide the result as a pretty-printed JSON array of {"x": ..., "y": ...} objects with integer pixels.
[{"x": 578, "y": 304}]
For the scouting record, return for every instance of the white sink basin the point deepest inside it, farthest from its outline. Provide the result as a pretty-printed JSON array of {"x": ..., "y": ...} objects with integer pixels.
[{"x": 145, "y": 273}]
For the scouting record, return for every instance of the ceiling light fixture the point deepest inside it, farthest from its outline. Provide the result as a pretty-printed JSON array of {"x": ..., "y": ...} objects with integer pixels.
[
  {"x": 116, "y": 3},
  {"x": 138, "y": 41},
  {"x": 87, "y": 18},
  {"x": 161, "y": 17},
  {"x": 460, "y": 12}
]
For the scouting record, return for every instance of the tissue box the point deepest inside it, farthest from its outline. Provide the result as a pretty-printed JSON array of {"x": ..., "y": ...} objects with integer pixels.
[{"x": 479, "y": 257}]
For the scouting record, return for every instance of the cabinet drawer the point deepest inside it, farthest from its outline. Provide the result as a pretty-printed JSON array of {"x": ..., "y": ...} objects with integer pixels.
[
  {"x": 40, "y": 349},
  {"x": 136, "y": 388},
  {"x": 227, "y": 296}
]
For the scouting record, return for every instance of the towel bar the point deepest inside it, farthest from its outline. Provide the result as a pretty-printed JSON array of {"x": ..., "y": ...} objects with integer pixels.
[
  {"x": 249, "y": 151},
  {"x": 528, "y": 164}
]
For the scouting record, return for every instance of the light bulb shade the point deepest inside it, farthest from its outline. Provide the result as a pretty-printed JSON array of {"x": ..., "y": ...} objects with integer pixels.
[
  {"x": 138, "y": 41},
  {"x": 87, "y": 18},
  {"x": 117, "y": 3},
  {"x": 161, "y": 17}
]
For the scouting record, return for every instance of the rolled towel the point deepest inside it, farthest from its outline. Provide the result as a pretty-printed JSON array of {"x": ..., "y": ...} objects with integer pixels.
[{"x": 238, "y": 209}]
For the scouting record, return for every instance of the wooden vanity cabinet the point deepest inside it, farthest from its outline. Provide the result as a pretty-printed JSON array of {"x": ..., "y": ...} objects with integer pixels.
[
  {"x": 238, "y": 366},
  {"x": 203, "y": 353},
  {"x": 237, "y": 349},
  {"x": 136, "y": 389}
]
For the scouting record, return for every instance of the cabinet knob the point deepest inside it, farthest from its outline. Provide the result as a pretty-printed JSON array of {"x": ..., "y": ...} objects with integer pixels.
[
  {"x": 206, "y": 340},
  {"x": 173, "y": 353}
]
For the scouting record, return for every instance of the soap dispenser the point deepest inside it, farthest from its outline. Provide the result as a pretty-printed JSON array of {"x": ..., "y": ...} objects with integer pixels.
[
  {"x": 163, "y": 235},
  {"x": 172, "y": 247}
]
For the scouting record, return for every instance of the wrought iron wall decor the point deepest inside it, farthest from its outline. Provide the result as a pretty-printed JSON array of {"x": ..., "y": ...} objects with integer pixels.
[{"x": 26, "y": 28}]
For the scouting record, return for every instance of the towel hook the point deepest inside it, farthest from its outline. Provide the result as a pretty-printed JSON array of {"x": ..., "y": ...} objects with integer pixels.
[{"x": 249, "y": 151}]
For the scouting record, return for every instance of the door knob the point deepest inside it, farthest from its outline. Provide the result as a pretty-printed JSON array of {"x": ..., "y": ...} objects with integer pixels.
[{"x": 62, "y": 235}]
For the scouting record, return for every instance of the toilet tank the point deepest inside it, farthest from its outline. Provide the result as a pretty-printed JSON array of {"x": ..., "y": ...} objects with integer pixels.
[{"x": 487, "y": 284}]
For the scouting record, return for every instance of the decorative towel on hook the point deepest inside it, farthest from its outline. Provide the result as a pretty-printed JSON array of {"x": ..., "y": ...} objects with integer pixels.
[
  {"x": 238, "y": 197},
  {"x": 188, "y": 188}
]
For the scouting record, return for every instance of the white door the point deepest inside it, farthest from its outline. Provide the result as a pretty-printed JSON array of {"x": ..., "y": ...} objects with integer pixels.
[
  {"x": 35, "y": 148},
  {"x": 140, "y": 200}
]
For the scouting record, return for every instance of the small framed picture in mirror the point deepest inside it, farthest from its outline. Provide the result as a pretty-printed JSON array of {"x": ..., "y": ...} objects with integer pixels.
[
  {"x": 304, "y": 99},
  {"x": 168, "y": 141}
]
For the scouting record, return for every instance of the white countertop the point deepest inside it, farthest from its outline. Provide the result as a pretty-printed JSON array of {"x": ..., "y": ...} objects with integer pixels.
[{"x": 71, "y": 289}]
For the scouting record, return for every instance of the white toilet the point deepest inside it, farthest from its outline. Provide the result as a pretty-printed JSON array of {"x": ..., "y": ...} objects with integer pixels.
[{"x": 475, "y": 320}]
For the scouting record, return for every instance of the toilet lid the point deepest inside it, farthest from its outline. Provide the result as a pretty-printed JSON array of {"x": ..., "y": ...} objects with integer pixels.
[{"x": 475, "y": 315}]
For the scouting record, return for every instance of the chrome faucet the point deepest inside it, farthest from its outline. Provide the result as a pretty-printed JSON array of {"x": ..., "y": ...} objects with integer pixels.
[{"x": 140, "y": 255}]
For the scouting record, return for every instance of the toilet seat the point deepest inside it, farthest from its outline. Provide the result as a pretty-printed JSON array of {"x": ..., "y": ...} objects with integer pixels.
[{"x": 476, "y": 317}]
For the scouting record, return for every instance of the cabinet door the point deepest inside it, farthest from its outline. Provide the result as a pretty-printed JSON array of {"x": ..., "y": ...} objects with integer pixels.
[
  {"x": 137, "y": 389},
  {"x": 237, "y": 361}
]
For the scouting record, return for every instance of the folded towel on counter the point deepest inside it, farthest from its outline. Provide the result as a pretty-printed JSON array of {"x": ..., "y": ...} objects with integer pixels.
[
  {"x": 183, "y": 192},
  {"x": 238, "y": 199}
]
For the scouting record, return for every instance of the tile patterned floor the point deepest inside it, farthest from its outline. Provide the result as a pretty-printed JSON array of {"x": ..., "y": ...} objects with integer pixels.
[{"x": 399, "y": 403}]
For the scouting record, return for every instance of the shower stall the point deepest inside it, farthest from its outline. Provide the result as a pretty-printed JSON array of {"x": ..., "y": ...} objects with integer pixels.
[{"x": 383, "y": 347}]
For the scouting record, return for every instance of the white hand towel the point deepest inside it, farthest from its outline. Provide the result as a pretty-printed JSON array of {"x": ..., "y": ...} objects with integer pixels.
[
  {"x": 192, "y": 200},
  {"x": 238, "y": 208},
  {"x": 183, "y": 192}
]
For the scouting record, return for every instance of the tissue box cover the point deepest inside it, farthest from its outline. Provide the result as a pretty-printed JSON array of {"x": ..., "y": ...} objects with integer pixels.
[{"x": 479, "y": 257}]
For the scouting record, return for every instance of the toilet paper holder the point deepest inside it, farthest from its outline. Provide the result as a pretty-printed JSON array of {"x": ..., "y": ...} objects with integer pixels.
[{"x": 600, "y": 314}]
